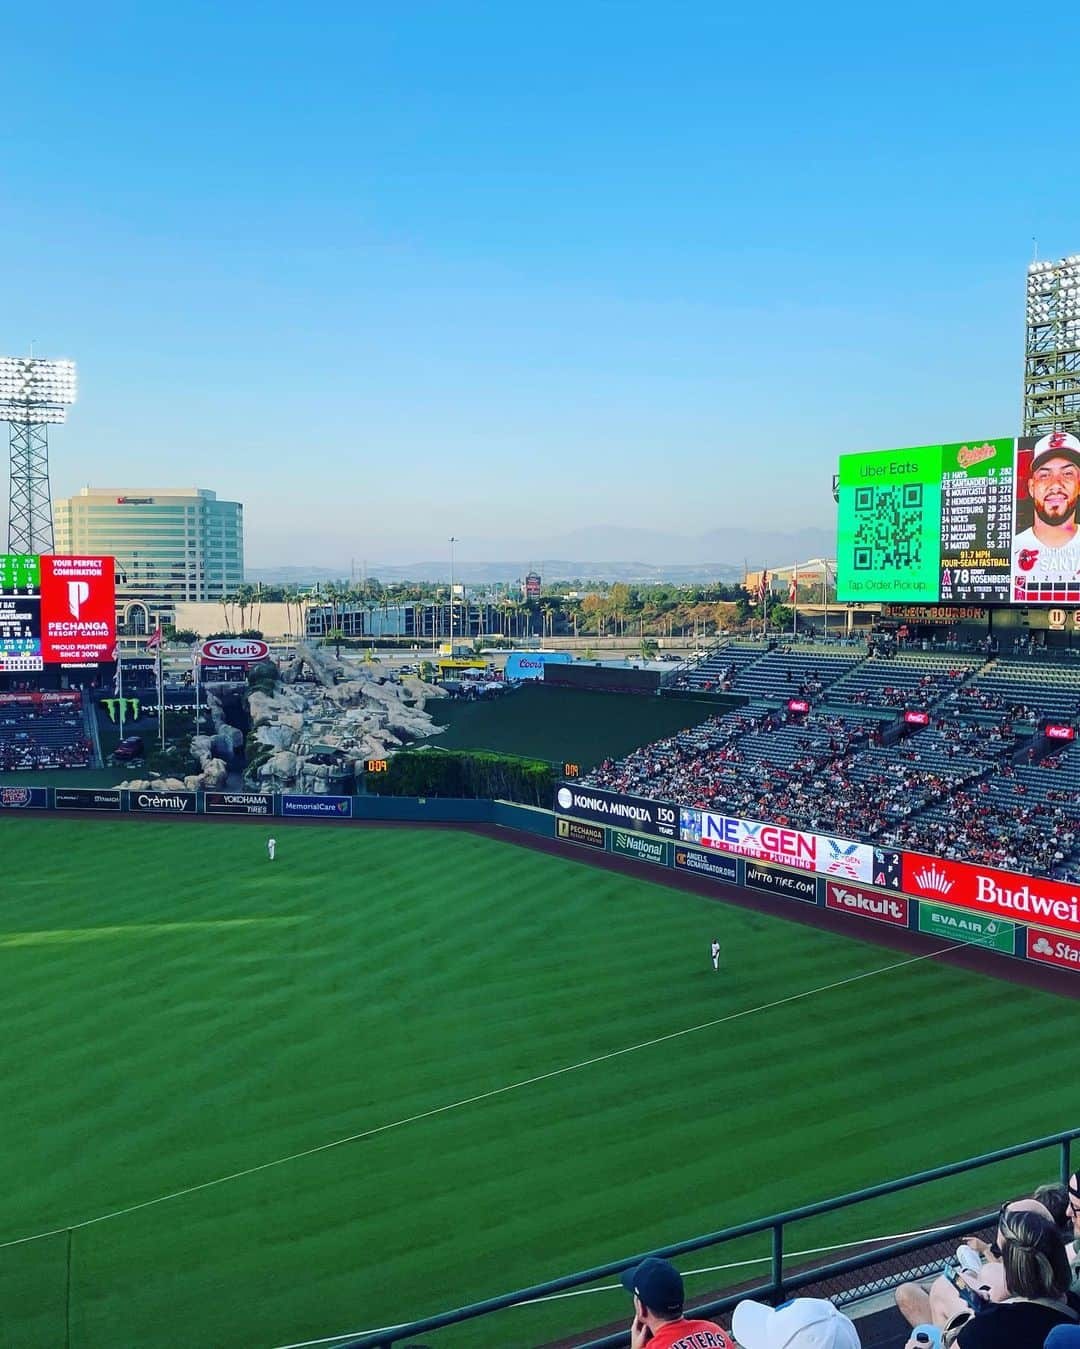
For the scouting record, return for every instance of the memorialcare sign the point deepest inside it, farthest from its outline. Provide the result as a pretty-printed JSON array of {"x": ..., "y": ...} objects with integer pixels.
[
  {"x": 641, "y": 849},
  {"x": 632, "y": 812},
  {"x": 715, "y": 866},
  {"x": 86, "y": 798},
  {"x": 162, "y": 803},
  {"x": 318, "y": 807},
  {"x": 775, "y": 882},
  {"x": 578, "y": 831},
  {"x": 1002, "y": 894},
  {"x": 866, "y": 904},
  {"x": 238, "y": 803},
  {"x": 968, "y": 927}
]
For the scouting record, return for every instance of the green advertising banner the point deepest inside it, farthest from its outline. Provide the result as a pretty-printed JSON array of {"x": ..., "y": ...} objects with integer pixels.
[
  {"x": 20, "y": 572},
  {"x": 888, "y": 544},
  {"x": 977, "y": 928},
  {"x": 641, "y": 849}
]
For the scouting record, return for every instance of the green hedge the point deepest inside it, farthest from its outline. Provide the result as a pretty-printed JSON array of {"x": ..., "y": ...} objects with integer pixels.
[{"x": 466, "y": 773}]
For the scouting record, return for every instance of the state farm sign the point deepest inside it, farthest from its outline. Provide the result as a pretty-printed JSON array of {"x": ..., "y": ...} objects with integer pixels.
[
  {"x": 854, "y": 899},
  {"x": 1054, "y": 904},
  {"x": 1053, "y": 950},
  {"x": 233, "y": 651}
]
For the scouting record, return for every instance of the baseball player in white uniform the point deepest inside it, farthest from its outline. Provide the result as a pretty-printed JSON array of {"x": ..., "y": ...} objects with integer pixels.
[
  {"x": 715, "y": 952},
  {"x": 271, "y": 848},
  {"x": 1050, "y": 549}
]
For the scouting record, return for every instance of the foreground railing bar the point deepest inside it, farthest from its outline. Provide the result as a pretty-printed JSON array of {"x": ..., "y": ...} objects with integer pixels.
[{"x": 381, "y": 1341}]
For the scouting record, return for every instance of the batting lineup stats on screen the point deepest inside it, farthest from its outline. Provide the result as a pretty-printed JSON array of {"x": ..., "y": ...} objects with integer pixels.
[
  {"x": 980, "y": 522},
  {"x": 55, "y": 610}
]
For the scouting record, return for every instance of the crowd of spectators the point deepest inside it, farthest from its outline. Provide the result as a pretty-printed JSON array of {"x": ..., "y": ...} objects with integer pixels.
[
  {"x": 45, "y": 737},
  {"x": 1019, "y": 1290}
]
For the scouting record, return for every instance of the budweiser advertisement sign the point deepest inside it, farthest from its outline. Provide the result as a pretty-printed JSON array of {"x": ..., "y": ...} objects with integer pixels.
[
  {"x": 233, "y": 651},
  {"x": 986, "y": 890},
  {"x": 866, "y": 904},
  {"x": 1053, "y": 950}
]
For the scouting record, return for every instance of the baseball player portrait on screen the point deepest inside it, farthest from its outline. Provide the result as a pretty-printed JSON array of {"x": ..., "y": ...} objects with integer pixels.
[{"x": 1046, "y": 546}]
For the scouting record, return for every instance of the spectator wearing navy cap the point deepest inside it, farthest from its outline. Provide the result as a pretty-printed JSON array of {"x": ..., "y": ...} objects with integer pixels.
[{"x": 658, "y": 1321}]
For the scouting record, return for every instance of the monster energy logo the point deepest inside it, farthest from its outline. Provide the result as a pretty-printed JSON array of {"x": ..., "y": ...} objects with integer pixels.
[{"x": 126, "y": 707}]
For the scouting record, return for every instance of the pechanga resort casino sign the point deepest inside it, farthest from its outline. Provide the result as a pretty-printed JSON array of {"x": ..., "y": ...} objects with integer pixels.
[{"x": 1033, "y": 899}]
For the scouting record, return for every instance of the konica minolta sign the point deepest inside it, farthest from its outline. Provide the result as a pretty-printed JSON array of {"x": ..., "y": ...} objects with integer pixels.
[{"x": 631, "y": 812}]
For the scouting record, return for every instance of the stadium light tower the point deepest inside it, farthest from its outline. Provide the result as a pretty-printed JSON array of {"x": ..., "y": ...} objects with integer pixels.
[
  {"x": 1052, "y": 347},
  {"x": 33, "y": 395}
]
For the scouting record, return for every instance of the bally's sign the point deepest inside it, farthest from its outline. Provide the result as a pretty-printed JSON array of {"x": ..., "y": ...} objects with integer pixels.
[
  {"x": 233, "y": 651},
  {"x": 632, "y": 812}
]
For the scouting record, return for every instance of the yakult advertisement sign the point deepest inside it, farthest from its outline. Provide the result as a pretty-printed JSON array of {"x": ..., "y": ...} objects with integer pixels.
[
  {"x": 233, "y": 651},
  {"x": 865, "y": 904},
  {"x": 1053, "y": 904}
]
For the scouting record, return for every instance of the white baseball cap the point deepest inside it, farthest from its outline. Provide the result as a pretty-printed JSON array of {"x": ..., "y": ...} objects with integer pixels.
[{"x": 805, "y": 1323}]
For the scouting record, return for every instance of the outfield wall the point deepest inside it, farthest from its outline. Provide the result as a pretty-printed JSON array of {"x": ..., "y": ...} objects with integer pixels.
[
  {"x": 956, "y": 901},
  {"x": 1025, "y": 916}
]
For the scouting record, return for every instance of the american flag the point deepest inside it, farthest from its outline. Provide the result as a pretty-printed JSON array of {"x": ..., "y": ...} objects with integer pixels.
[{"x": 154, "y": 640}]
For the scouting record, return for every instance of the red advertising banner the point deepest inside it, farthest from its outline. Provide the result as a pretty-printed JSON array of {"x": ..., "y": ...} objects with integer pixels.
[
  {"x": 1053, "y": 950},
  {"x": 866, "y": 904},
  {"x": 914, "y": 718},
  {"x": 798, "y": 705},
  {"x": 1059, "y": 732},
  {"x": 78, "y": 608},
  {"x": 39, "y": 698},
  {"x": 1002, "y": 894}
]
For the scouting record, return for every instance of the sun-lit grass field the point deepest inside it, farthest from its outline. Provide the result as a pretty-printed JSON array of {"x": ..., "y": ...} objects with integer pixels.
[{"x": 177, "y": 1009}]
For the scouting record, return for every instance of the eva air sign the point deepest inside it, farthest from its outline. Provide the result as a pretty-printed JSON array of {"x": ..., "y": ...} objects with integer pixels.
[
  {"x": 641, "y": 849},
  {"x": 970, "y": 927}
]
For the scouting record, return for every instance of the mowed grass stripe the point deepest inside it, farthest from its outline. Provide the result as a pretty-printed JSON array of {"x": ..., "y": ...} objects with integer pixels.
[{"x": 405, "y": 971}]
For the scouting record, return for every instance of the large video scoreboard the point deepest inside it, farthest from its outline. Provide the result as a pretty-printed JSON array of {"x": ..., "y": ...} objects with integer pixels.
[
  {"x": 981, "y": 522},
  {"x": 55, "y": 610}
]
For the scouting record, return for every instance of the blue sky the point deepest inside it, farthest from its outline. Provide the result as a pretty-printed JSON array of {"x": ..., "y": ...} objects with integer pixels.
[{"x": 387, "y": 271}]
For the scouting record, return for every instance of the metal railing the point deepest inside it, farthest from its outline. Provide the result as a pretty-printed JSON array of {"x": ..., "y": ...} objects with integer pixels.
[{"x": 779, "y": 1285}]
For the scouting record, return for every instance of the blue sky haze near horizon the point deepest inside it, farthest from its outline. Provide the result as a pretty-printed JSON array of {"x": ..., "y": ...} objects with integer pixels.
[{"x": 388, "y": 272}]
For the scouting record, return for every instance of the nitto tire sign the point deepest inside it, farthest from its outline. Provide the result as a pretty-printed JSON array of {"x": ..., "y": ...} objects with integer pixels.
[
  {"x": 162, "y": 803},
  {"x": 318, "y": 807},
  {"x": 715, "y": 867},
  {"x": 785, "y": 883},
  {"x": 86, "y": 798},
  {"x": 237, "y": 803},
  {"x": 630, "y": 812}
]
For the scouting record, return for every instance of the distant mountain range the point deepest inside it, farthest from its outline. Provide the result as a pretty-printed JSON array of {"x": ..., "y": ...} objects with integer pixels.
[{"x": 720, "y": 555}]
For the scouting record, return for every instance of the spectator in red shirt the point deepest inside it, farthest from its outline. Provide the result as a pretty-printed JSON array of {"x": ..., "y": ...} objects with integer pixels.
[{"x": 658, "y": 1311}]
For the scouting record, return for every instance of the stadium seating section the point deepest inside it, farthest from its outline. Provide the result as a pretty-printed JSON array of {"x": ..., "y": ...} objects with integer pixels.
[
  {"x": 46, "y": 735},
  {"x": 978, "y": 781}
]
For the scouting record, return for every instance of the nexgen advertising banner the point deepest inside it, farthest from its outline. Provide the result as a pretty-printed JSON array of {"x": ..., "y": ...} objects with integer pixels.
[
  {"x": 1000, "y": 894},
  {"x": 78, "y": 608},
  {"x": 749, "y": 838}
]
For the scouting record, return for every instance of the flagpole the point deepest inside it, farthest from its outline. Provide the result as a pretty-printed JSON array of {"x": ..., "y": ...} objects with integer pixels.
[
  {"x": 195, "y": 672},
  {"x": 825, "y": 593},
  {"x": 795, "y": 601},
  {"x": 160, "y": 692},
  {"x": 120, "y": 686}
]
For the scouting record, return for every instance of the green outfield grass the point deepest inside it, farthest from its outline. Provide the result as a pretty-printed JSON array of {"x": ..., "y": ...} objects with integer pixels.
[
  {"x": 563, "y": 724},
  {"x": 178, "y": 1009}
]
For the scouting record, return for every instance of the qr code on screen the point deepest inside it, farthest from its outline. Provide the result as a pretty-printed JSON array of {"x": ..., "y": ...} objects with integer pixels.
[{"x": 888, "y": 527}]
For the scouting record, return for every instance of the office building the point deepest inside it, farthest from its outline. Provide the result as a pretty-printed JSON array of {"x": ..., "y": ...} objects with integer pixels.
[{"x": 172, "y": 545}]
